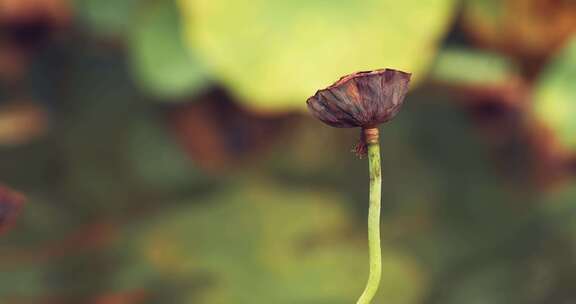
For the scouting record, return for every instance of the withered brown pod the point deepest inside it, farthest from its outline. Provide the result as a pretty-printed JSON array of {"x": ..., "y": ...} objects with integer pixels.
[
  {"x": 362, "y": 99},
  {"x": 365, "y": 100}
]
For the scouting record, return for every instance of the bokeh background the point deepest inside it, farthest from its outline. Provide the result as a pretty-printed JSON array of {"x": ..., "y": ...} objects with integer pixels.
[{"x": 166, "y": 154}]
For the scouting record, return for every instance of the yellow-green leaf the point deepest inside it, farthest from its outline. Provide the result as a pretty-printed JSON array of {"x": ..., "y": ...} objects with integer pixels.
[
  {"x": 273, "y": 54},
  {"x": 258, "y": 243},
  {"x": 160, "y": 61},
  {"x": 555, "y": 96},
  {"x": 471, "y": 67}
]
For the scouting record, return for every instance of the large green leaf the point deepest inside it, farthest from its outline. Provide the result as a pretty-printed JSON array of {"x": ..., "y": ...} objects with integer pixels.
[
  {"x": 555, "y": 96},
  {"x": 471, "y": 67},
  {"x": 161, "y": 63},
  {"x": 274, "y": 54},
  {"x": 106, "y": 17},
  {"x": 559, "y": 207},
  {"x": 260, "y": 244},
  {"x": 154, "y": 158},
  {"x": 25, "y": 281}
]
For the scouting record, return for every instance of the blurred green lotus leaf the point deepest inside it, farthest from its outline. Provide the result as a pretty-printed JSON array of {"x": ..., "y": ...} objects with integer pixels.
[
  {"x": 31, "y": 231},
  {"x": 274, "y": 54},
  {"x": 106, "y": 17},
  {"x": 471, "y": 67},
  {"x": 160, "y": 61},
  {"x": 555, "y": 96},
  {"x": 560, "y": 209},
  {"x": 25, "y": 252},
  {"x": 257, "y": 243},
  {"x": 22, "y": 282},
  {"x": 494, "y": 284},
  {"x": 155, "y": 159}
]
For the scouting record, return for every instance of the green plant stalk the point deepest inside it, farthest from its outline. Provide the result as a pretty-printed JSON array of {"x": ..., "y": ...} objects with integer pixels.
[{"x": 373, "y": 224}]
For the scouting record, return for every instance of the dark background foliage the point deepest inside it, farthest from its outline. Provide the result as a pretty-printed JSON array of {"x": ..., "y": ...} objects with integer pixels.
[{"x": 166, "y": 155}]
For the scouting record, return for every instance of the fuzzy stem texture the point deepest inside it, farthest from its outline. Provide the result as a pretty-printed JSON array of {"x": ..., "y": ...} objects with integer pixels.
[{"x": 373, "y": 223}]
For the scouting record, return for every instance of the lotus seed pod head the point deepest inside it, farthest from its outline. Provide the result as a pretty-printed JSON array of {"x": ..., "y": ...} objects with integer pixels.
[{"x": 362, "y": 99}]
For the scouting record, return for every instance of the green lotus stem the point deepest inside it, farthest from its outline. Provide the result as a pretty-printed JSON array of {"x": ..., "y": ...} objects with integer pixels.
[
  {"x": 373, "y": 224},
  {"x": 365, "y": 100}
]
